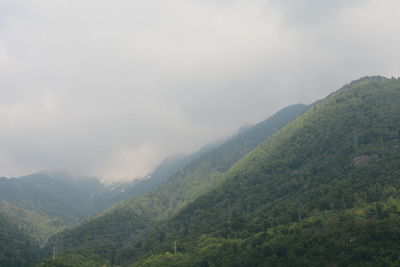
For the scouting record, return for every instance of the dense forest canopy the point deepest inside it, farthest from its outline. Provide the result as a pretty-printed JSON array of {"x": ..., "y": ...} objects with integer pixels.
[
  {"x": 204, "y": 170},
  {"x": 326, "y": 185},
  {"x": 312, "y": 185}
]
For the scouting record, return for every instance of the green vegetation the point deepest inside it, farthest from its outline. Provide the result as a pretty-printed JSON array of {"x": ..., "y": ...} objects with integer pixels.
[
  {"x": 16, "y": 248},
  {"x": 58, "y": 195},
  {"x": 42, "y": 204},
  {"x": 72, "y": 260},
  {"x": 321, "y": 190},
  {"x": 165, "y": 170},
  {"x": 308, "y": 169},
  {"x": 206, "y": 172},
  {"x": 130, "y": 219},
  {"x": 37, "y": 224},
  {"x": 366, "y": 236}
]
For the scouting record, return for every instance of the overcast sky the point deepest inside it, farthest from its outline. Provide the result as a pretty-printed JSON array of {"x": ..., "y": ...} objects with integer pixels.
[{"x": 109, "y": 88}]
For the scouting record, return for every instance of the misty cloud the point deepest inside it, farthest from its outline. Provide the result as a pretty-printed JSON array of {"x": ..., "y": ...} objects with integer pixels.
[{"x": 110, "y": 88}]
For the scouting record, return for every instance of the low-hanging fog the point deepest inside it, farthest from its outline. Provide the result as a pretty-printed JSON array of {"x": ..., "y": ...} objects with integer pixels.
[{"x": 109, "y": 88}]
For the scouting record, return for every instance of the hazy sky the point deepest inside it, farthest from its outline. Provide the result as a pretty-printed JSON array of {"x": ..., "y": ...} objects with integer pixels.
[{"x": 109, "y": 88}]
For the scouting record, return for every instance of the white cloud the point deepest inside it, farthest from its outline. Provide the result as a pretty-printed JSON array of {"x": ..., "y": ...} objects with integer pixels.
[{"x": 110, "y": 88}]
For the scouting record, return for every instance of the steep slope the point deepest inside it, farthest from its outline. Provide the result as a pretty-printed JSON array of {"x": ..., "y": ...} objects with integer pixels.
[
  {"x": 367, "y": 236},
  {"x": 16, "y": 248},
  {"x": 36, "y": 224},
  {"x": 168, "y": 167},
  {"x": 202, "y": 174},
  {"x": 205, "y": 172},
  {"x": 65, "y": 197},
  {"x": 44, "y": 203},
  {"x": 325, "y": 185}
]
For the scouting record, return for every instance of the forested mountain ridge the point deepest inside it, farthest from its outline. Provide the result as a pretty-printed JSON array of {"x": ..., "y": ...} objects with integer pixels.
[
  {"x": 54, "y": 195},
  {"x": 168, "y": 167},
  {"x": 36, "y": 224},
  {"x": 44, "y": 203},
  {"x": 203, "y": 173},
  {"x": 325, "y": 185},
  {"x": 17, "y": 249},
  {"x": 324, "y": 190}
]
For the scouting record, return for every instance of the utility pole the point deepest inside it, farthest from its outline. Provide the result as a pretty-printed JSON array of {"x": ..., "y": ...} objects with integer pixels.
[
  {"x": 229, "y": 212},
  {"x": 62, "y": 245},
  {"x": 298, "y": 213},
  {"x": 175, "y": 247},
  {"x": 58, "y": 247},
  {"x": 54, "y": 250},
  {"x": 355, "y": 143}
]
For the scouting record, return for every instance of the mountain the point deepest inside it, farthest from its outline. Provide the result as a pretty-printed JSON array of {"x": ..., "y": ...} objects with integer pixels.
[
  {"x": 36, "y": 224},
  {"x": 44, "y": 203},
  {"x": 204, "y": 172},
  {"x": 59, "y": 196},
  {"x": 323, "y": 191},
  {"x": 17, "y": 249},
  {"x": 161, "y": 174},
  {"x": 320, "y": 190},
  {"x": 131, "y": 218}
]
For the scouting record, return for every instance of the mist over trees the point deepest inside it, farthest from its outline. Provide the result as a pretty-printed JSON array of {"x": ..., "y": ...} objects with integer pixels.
[{"x": 199, "y": 133}]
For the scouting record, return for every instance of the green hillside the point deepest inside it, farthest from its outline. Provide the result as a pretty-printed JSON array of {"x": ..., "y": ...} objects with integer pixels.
[
  {"x": 16, "y": 248},
  {"x": 205, "y": 172},
  {"x": 56, "y": 195},
  {"x": 125, "y": 221},
  {"x": 167, "y": 168},
  {"x": 326, "y": 185},
  {"x": 36, "y": 224},
  {"x": 324, "y": 190},
  {"x": 43, "y": 204},
  {"x": 367, "y": 236}
]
